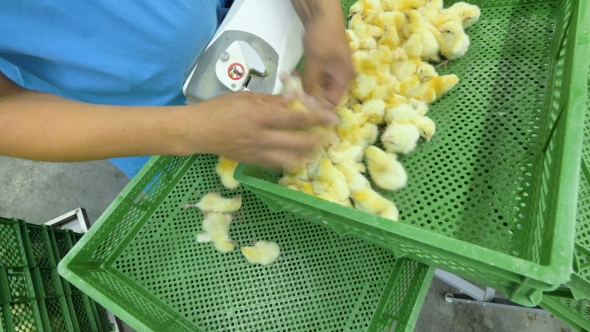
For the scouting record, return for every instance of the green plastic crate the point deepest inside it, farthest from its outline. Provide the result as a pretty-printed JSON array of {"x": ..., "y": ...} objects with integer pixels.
[
  {"x": 575, "y": 313},
  {"x": 56, "y": 315},
  {"x": 38, "y": 246},
  {"x": 82, "y": 311},
  {"x": 21, "y": 317},
  {"x": 492, "y": 197},
  {"x": 16, "y": 285},
  {"x": 12, "y": 252},
  {"x": 580, "y": 282},
  {"x": 142, "y": 262}
]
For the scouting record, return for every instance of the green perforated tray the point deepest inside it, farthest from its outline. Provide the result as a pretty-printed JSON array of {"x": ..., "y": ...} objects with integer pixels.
[
  {"x": 575, "y": 313},
  {"x": 580, "y": 282},
  {"x": 12, "y": 253},
  {"x": 142, "y": 262},
  {"x": 492, "y": 197}
]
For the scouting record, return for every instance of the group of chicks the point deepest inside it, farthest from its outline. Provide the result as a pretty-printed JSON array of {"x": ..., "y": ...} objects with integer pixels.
[
  {"x": 218, "y": 215},
  {"x": 391, "y": 42}
]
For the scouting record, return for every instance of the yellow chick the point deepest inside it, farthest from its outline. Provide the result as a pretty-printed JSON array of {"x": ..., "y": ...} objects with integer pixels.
[
  {"x": 405, "y": 114},
  {"x": 469, "y": 14},
  {"x": 385, "y": 170},
  {"x": 420, "y": 107},
  {"x": 413, "y": 45},
  {"x": 368, "y": 44},
  {"x": 306, "y": 187},
  {"x": 329, "y": 180},
  {"x": 225, "y": 169},
  {"x": 294, "y": 176},
  {"x": 453, "y": 42},
  {"x": 409, "y": 87},
  {"x": 363, "y": 5},
  {"x": 375, "y": 110},
  {"x": 431, "y": 9},
  {"x": 356, "y": 180},
  {"x": 368, "y": 134},
  {"x": 388, "y": 18},
  {"x": 387, "y": 85},
  {"x": 363, "y": 86},
  {"x": 390, "y": 38},
  {"x": 403, "y": 69},
  {"x": 354, "y": 42},
  {"x": 345, "y": 153},
  {"x": 400, "y": 138},
  {"x": 214, "y": 202},
  {"x": 394, "y": 100},
  {"x": 349, "y": 128},
  {"x": 425, "y": 72},
  {"x": 436, "y": 87},
  {"x": 370, "y": 201},
  {"x": 362, "y": 29},
  {"x": 262, "y": 252},
  {"x": 216, "y": 230},
  {"x": 415, "y": 24}
]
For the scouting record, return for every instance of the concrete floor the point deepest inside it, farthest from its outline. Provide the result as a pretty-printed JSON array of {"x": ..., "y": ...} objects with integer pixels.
[{"x": 37, "y": 192}]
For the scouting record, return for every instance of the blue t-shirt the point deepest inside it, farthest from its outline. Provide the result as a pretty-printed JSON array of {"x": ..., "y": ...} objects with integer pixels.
[{"x": 113, "y": 52}]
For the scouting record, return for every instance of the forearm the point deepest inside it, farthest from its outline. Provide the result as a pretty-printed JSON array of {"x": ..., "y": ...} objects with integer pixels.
[
  {"x": 45, "y": 127},
  {"x": 309, "y": 10}
]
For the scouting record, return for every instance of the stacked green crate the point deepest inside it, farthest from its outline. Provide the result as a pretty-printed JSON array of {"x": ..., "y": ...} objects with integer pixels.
[{"x": 33, "y": 297}]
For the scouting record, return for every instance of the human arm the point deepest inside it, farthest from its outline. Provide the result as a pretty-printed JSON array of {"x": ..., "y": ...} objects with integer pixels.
[
  {"x": 247, "y": 127},
  {"x": 328, "y": 61}
]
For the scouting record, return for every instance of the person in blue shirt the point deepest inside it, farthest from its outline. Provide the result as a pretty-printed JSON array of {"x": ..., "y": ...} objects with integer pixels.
[{"x": 88, "y": 80}]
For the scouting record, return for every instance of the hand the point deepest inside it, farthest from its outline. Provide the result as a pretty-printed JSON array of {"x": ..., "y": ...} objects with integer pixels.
[
  {"x": 329, "y": 69},
  {"x": 256, "y": 129}
]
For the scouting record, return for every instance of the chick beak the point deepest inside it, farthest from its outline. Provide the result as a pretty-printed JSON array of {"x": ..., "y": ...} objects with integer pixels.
[
  {"x": 421, "y": 77},
  {"x": 463, "y": 18},
  {"x": 441, "y": 30},
  {"x": 428, "y": 138},
  {"x": 406, "y": 14}
]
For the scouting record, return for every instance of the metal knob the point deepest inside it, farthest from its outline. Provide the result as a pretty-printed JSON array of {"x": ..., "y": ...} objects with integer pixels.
[{"x": 224, "y": 56}]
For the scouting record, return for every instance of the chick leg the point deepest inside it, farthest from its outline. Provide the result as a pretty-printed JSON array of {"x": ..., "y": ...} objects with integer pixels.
[{"x": 444, "y": 63}]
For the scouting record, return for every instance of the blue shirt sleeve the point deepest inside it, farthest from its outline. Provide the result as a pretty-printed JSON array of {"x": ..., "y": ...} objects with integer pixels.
[{"x": 106, "y": 52}]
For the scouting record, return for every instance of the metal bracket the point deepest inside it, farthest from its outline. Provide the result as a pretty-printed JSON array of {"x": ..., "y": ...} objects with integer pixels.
[
  {"x": 472, "y": 294},
  {"x": 78, "y": 214}
]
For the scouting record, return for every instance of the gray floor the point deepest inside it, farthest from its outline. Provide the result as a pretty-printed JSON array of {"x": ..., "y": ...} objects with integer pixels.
[{"x": 38, "y": 192}]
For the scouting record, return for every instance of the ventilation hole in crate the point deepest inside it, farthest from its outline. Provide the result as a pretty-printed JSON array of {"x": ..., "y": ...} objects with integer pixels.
[{"x": 10, "y": 251}]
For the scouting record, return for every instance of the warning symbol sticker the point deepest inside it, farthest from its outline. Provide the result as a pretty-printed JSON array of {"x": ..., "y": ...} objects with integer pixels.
[{"x": 235, "y": 71}]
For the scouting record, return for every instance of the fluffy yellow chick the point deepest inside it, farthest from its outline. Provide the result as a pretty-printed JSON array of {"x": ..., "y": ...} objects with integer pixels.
[
  {"x": 225, "y": 169},
  {"x": 262, "y": 252},
  {"x": 400, "y": 138},
  {"x": 415, "y": 24},
  {"x": 368, "y": 134},
  {"x": 363, "y": 86},
  {"x": 216, "y": 230},
  {"x": 329, "y": 180},
  {"x": 420, "y": 107},
  {"x": 468, "y": 13},
  {"x": 375, "y": 110},
  {"x": 362, "y": 5},
  {"x": 349, "y": 128},
  {"x": 354, "y": 42},
  {"x": 294, "y": 176},
  {"x": 362, "y": 29},
  {"x": 345, "y": 153},
  {"x": 390, "y": 19},
  {"x": 425, "y": 72},
  {"x": 409, "y": 87},
  {"x": 436, "y": 87},
  {"x": 370, "y": 201},
  {"x": 431, "y": 9},
  {"x": 355, "y": 179},
  {"x": 390, "y": 38},
  {"x": 403, "y": 69},
  {"x": 394, "y": 100},
  {"x": 453, "y": 42},
  {"x": 385, "y": 170},
  {"x": 368, "y": 44},
  {"x": 214, "y": 202},
  {"x": 413, "y": 46},
  {"x": 405, "y": 114}
]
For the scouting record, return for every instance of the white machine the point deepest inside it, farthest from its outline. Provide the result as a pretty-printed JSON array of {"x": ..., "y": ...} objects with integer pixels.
[{"x": 256, "y": 41}]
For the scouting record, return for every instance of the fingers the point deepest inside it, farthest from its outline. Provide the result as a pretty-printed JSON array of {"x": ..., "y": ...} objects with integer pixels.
[
  {"x": 287, "y": 148},
  {"x": 289, "y": 119}
]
